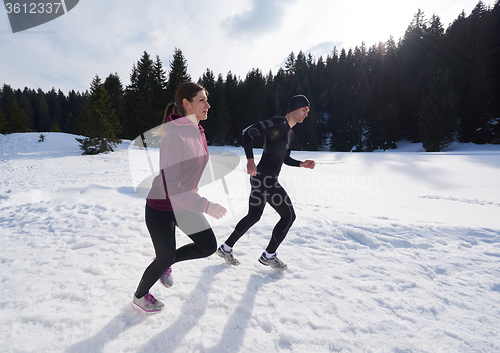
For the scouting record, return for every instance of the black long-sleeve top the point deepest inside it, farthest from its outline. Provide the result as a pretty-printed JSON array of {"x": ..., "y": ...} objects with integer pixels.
[{"x": 278, "y": 137}]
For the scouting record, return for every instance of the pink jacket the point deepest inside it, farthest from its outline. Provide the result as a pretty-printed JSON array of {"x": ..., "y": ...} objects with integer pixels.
[{"x": 183, "y": 157}]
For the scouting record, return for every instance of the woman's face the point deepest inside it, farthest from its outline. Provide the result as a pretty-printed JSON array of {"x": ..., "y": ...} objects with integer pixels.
[{"x": 198, "y": 106}]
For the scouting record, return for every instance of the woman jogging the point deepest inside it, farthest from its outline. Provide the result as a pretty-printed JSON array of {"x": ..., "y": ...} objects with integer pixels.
[
  {"x": 173, "y": 200},
  {"x": 278, "y": 137}
]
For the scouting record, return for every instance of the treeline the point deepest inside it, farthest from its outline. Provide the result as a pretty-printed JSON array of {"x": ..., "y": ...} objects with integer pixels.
[{"x": 433, "y": 86}]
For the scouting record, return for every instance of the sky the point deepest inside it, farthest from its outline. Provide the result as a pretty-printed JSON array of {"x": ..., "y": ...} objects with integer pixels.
[{"x": 100, "y": 37}]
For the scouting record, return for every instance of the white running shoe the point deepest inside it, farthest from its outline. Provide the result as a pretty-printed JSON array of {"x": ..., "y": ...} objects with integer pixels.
[
  {"x": 273, "y": 262},
  {"x": 148, "y": 304},
  {"x": 166, "y": 279},
  {"x": 228, "y": 256}
]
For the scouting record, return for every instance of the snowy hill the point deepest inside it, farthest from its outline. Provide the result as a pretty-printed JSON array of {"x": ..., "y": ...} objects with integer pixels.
[{"x": 395, "y": 251}]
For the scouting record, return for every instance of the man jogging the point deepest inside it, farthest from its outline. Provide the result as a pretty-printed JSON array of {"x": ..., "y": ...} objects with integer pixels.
[{"x": 278, "y": 137}]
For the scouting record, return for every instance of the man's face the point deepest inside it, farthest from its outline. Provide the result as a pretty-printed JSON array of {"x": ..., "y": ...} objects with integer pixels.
[{"x": 300, "y": 114}]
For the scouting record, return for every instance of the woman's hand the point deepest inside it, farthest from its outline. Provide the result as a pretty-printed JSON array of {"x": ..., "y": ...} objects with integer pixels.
[
  {"x": 308, "y": 164},
  {"x": 216, "y": 211}
]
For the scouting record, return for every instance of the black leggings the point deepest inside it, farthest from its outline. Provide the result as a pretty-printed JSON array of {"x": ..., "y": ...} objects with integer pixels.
[
  {"x": 161, "y": 226},
  {"x": 266, "y": 189}
]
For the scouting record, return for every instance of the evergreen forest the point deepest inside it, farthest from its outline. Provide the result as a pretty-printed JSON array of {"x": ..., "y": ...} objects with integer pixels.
[{"x": 433, "y": 85}]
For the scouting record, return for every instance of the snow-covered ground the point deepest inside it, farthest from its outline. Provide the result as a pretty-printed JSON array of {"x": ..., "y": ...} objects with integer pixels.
[{"x": 392, "y": 251}]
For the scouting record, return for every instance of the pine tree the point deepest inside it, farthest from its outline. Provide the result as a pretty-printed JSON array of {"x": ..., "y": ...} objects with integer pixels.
[
  {"x": 438, "y": 116},
  {"x": 233, "y": 94},
  {"x": 254, "y": 91},
  {"x": 76, "y": 102},
  {"x": 217, "y": 128},
  {"x": 177, "y": 74},
  {"x": 207, "y": 80},
  {"x": 24, "y": 100},
  {"x": 290, "y": 63},
  {"x": 114, "y": 87},
  {"x": 159, "y": 88},
  {"x": 41, "y": 112},
  {"x": 55, "y": 111},
  {"x": 143, "y": 101},
  {"x": 8, "y": 97},
  {"x": 278, "y": 93},
  {"x": 55, "y": 128},
  {"x": 343, "y": 122},
  {"x": 98, "y": 122},
  {"x": 4, "y": 124},
  {"x": 222, "y": 117},
  {"x": 472, "y": 46},
  {"x": 62, "y": 101},
  {"x": 2, "y": 104},
  {"x": 379, "y": 119},
  {"x": 495, "y": 58},
  {"x": 413, "y": 53},
  {"x": 18, "y": 119}
]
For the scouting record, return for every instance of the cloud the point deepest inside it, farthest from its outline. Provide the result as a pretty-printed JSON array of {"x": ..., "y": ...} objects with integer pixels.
[
  {"x": 98, "y": 37},
  {"x": 264, "y": 16},
  {"x": 323, "y": 49}
]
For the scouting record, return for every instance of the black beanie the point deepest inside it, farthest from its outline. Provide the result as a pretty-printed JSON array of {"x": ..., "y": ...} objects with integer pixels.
[{"x": 297, "y": 102}]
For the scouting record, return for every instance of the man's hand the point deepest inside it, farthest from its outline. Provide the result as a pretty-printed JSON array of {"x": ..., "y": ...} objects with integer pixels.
[
  {"x": 308, "y": 164},
  {"x": 251, "y": 167}
]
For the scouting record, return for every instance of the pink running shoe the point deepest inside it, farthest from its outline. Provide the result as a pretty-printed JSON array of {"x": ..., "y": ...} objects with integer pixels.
[
  {"x": 166, "y": 279},
  {"x": 148, "y": 304}
]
